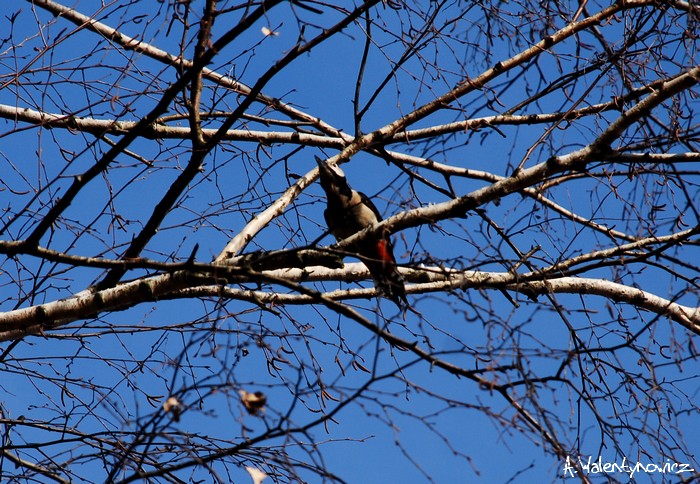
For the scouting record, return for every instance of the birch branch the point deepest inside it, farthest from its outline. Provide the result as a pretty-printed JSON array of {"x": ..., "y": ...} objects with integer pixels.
[
  {"x": 131, "y": 43},
  {"x": 380, "y": 137},
  {"x": 575, "y": 160},
  {"x": 186, "y": 284},
  {"x": 156, "y": 130}
]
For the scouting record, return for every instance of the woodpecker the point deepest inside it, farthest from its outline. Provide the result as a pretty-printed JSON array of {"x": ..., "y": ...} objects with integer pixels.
[{"x": 348, "y": 212}]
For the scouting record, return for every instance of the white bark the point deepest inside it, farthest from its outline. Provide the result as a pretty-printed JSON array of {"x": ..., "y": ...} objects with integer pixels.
[{"x": 40, "y": 318}]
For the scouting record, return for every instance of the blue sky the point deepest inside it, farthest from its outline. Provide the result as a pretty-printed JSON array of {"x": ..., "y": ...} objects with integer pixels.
[{"x": 116, "y": 378}]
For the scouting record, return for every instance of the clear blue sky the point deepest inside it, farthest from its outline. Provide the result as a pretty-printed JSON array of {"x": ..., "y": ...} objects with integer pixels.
[{"x": 240, "y": 181}]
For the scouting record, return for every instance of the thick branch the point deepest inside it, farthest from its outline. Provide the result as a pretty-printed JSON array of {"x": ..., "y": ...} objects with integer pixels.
[
  {"x": 576, "y": 160},
  {"x": 157, "y": 130},
  {"x": 186, "y": 284}
]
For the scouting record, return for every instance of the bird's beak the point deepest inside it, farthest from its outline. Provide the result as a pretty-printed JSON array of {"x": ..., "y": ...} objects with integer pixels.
[{"x": 325, "y": 170}]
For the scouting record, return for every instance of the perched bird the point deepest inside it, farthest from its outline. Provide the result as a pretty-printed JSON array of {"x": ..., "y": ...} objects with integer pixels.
[{"x": 347, "y": 213}]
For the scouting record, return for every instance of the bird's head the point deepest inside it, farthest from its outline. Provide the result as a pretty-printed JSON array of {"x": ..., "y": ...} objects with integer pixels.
[{"x": 333, "y": 179}]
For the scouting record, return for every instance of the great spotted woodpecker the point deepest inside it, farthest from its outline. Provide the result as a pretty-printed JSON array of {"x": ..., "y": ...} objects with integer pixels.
[{"x": 347, "y": 213}]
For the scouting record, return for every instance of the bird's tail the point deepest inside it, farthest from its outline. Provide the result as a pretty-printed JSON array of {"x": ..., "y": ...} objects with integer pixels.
[{"x": 387, "y": 279}]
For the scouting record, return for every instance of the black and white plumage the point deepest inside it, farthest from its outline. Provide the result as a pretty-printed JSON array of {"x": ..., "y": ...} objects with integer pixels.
[{"x": 348, "y": 212}]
